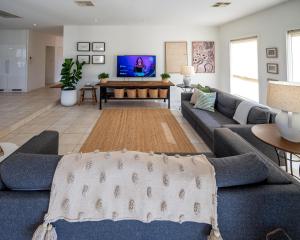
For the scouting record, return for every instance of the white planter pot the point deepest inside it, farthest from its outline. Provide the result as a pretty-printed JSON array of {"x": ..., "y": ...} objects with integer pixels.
[{"x": 68, "y": 98}]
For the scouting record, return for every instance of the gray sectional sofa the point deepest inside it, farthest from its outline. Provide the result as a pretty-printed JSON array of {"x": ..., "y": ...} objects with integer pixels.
[
  {"x": 250, "y": 203},
  {"x": 205, "y": 122}
]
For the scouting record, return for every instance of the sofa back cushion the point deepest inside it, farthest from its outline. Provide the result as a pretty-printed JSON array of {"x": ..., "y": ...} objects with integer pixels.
[
  {"x": 226, "y": 103},
  {"x": 259, "y": 115},
  {"x": 28, "y": 172},
  {"x": 239, "y": 170}
]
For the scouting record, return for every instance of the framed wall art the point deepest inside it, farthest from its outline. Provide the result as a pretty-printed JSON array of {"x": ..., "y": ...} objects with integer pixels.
[
  {"x": 83, "y": 58},
  {"x": 98, "y": 59},
  {"x": 83, "y": 46},
  {"x": 272, "y": 52},
  {"x": 98, "y": 46},
  {"x": 272, "y": 68},
  {"x": 175, "y": 56},
  {"x": 203, "y": 54}
]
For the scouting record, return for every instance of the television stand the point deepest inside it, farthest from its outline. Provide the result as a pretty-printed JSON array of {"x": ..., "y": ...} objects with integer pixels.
[{"x": 105, "y": 95}]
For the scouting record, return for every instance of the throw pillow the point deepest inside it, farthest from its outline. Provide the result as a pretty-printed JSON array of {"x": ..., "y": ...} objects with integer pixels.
[
  {"x": 194, "y": 96},
  {"x": 206, "y": 101},
  {"x": 205, "y": 89}
]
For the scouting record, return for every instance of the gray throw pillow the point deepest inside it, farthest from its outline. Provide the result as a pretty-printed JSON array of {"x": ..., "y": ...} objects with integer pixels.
[{"x": 239, "y": 170}]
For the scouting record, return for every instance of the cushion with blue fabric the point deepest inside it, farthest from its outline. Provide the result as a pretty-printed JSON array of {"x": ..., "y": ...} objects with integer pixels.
[
  {"x": 206, "y": 101},
  {"x": 239, "y": 170},
  {"x": 26, "y": 171}
]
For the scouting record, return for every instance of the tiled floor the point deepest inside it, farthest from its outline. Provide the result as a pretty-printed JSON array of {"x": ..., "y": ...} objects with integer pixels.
[
  {"x": 75, "y": 123},
  {"x": 18, "y": 108}
]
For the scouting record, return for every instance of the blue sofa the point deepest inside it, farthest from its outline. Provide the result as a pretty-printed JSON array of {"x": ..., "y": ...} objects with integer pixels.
[
  {"x": 245, "y": 212},
  {"x": 205, "y": 122}
]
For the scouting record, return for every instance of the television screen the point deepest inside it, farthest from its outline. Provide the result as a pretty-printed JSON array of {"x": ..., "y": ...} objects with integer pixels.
[{"x": 136, "y": 66}]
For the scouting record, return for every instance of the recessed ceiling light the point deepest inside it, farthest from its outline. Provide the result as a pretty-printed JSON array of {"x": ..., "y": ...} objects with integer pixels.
[
  {"x": 34, "y": 24},
  {"x": 221, "y": 4},
  {"x": 84, "y": 3}
]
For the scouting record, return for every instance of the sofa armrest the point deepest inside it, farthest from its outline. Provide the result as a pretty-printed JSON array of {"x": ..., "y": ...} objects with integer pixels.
[
  {"x": 245, "y": 132},
  {"x": 44, "y": 143},
  {"x": 186, "y": 96}
]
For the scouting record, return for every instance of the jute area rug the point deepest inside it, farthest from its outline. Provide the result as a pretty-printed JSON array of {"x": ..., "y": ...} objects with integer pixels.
[{"x": 138, "y": 129}]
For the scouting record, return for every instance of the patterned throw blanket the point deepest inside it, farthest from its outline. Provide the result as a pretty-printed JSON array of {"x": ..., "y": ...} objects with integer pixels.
[{"x": 132, "y": 186}]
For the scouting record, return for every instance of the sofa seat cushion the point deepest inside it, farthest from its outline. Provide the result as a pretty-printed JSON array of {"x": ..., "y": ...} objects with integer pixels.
[
  {"x": 208, "y": 121},
  {"x": 28, "y": 172},
  {"x": 239, "y": 170}
]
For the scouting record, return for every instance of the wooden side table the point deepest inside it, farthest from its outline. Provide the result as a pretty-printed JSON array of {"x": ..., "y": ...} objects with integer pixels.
[
  {"x": 93, "y": 97},
  {"x": 269, "y": 134}
]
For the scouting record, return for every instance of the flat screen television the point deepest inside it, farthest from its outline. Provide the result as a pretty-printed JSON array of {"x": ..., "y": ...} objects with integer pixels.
[{"x": 136, "y": 66}]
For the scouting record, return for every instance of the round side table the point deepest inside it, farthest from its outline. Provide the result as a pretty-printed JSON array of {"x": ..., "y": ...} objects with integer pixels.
[
  {"x": 269, "y": 134},
  {"x": 185, "y": 88}
]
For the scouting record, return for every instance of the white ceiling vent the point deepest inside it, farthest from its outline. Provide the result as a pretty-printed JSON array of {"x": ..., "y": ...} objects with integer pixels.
[
  {"x": 85, "y": 3},
  {"x": 7, "y": 15},
  {"x": 221, "y": 4}
]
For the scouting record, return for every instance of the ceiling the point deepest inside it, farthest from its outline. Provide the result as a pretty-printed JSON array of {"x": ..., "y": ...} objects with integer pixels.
[{"x": 49, "y": 14}]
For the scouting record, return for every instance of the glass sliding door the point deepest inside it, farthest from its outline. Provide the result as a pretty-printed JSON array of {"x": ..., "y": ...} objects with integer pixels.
[{"x": 244, "y": 68}]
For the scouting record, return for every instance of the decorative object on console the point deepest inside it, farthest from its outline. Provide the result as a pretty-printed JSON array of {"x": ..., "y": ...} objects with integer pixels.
[
  {"x": 119, "y": 92},
  {"x": 103, "y": 77},
  {"x": 163, "y": 93},
  {"x": 187, "y": 72},
  {"x": 71, "y": 74},
  {"x": 176, "y": 56},
  {"x": 83, "y": 58},
  {"x": 98, "y": 46},
  {"x": 83, "y": 46},
  {"x": 98, "y": 59},
  {"x": 206, "y": 101},
  {"x": 131, "y": 93},
  {"x": 272, "y": 68},
  {"x": 153, "y": 93},
  {"x": 272, "y": 52},
  {"x": 203, "y": 54},
  {"x": 286, "y": 97},
  {"x": 165, "y": 77},
  {"x": 142, "y": 92}
]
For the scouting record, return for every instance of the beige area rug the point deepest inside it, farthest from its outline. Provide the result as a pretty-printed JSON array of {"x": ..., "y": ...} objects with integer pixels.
[{"x": 138, "y": 129}]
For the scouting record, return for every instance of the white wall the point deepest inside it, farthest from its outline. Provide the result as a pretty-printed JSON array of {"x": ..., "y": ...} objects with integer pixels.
[
  {"x": 122, "y": 40},
  {"x": 37, "y": 43},
  {"x": 271, "y": 27}
]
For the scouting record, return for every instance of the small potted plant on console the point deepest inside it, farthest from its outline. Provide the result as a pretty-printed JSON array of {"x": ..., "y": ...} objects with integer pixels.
[
  {"x": 103, "y": 77},
  {"x": 165, "y": 77},
  {"x": 71, "y": 73}
]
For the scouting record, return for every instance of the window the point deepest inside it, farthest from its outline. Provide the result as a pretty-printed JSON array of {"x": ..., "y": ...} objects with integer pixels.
[
  {"x": 294, "y": 56},
  {"x": 244, "y": 68}
]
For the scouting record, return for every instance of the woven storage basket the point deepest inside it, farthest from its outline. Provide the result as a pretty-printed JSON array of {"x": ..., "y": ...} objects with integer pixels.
[
  {"x": 119, "y": 93},
  {"x": 163, "y": 93},
  {"x": 131, "y": 93},
  {"x": 153, "y": 93},
  {"x": 142, "y": 93}
]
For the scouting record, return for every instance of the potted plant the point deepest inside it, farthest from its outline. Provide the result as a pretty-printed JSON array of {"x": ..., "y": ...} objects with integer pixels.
[
  {"x": 103, "y": 77},
  {"x": 165, "y": 77},
  {"x": 71, "y": 73}
]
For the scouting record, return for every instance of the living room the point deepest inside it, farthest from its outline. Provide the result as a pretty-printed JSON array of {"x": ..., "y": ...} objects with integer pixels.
[{"x": 193, "y": 106}]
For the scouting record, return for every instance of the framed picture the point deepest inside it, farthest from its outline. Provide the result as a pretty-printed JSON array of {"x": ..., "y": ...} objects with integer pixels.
[
  {"x": 98, "y": 46},
  {"x": 175, "y": 56},
  {"x": 272, "y": 52},
  {"x": 83, "y": 46},
  {"x": 203, "y": 53},
  {"x": 83, "y": 58},
  {"x": 98, "y": 59},
  {"x": 273, "y": 68}
]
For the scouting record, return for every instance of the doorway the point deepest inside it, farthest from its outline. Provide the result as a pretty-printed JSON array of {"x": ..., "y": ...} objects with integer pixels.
[{"x": 50, "y": 65}]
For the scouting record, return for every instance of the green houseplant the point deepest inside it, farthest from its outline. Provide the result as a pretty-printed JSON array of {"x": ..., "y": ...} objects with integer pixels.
[
  {"x": 165, "y": 77},
  {"x": 103, "y": 77},
  {"x": 71, "y": 74}
]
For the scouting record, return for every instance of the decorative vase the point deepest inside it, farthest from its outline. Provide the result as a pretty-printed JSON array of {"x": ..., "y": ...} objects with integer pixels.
[
  {"x": 166, "y": 80},
  {"x": 187, "y": 81},
  {"x": 68, "y": 98}
]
